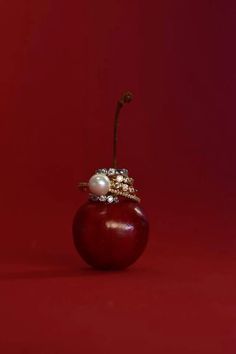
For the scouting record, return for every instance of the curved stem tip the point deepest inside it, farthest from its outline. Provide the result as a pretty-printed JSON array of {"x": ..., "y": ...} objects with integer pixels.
[{"x": 125, "y": 98}]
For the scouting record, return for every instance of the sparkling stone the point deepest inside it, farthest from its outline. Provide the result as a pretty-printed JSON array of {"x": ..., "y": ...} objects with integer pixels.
[
  {"x": 101, "y": 171},
  {"x": 131, "y": 190},
  {"x": 119, "y": 178},
  {"x": 125, "y": 187},
  {"x": 99, "y": 184},
  {"x": 110, "y": 199},
  {"x": 111, "y": 171},
  {"x": 121, "y": 171},
  {"x": 102, "y": 198}
]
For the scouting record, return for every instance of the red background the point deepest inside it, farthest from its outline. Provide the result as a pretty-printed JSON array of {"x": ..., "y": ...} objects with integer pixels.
[{"x": 63, "y": 65}]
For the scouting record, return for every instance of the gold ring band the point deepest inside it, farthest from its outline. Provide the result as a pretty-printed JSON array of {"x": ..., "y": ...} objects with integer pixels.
[{"x": 124, "y": 194}]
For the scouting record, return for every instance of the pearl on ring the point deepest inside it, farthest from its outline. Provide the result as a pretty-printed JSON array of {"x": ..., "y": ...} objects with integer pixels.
[{"x": 99, "y": 184}]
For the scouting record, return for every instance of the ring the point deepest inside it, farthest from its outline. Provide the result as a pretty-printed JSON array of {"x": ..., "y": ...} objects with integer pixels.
[{"x": 109, "y": 183}]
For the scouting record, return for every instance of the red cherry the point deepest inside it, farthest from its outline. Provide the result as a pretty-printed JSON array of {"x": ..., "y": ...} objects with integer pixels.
[{"x": 110, "y": 236}]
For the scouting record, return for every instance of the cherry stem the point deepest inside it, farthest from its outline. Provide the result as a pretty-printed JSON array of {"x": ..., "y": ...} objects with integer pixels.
[{"x": 125, "y": 98}]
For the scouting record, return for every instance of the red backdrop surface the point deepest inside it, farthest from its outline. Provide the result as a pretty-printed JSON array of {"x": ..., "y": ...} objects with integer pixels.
[{"x": 62, "y": 67}]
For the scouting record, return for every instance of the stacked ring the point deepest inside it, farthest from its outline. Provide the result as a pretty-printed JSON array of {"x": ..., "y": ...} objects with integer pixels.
[{"x": 107, "y": 184}]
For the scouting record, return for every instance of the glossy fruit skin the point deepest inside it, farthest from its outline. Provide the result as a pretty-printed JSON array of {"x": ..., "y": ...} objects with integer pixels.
[{"x": 110, "y": 236}]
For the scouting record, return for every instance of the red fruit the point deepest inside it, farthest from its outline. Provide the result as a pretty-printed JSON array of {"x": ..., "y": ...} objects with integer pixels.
[{"x": 110, "y": 236}]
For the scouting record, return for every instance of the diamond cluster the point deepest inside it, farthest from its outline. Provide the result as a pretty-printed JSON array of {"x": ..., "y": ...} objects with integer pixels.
[
  {"x": 112, "y": 171},
  {"x": 122, "y": 183},
  {"x": 104, "y": 198}
]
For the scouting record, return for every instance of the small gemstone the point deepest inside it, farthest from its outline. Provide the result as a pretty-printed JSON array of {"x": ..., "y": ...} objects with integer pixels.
[
  {"x": 111, "y": 171},
  {"x": 110, "y": 199},
  {"x": 131, "y": 190},
  {"x": 102, "y": 198},
  {"x": 117, "y": 185},
  {"x": 125, "y": 187},
  {"x": 101, "y": 171},
  {"x": 121, "y": 171},
  {"x": 119, "y": 178}
]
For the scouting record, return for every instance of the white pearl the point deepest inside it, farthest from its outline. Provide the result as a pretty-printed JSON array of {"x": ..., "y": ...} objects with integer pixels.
[{"x": 99, "y": 184}]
